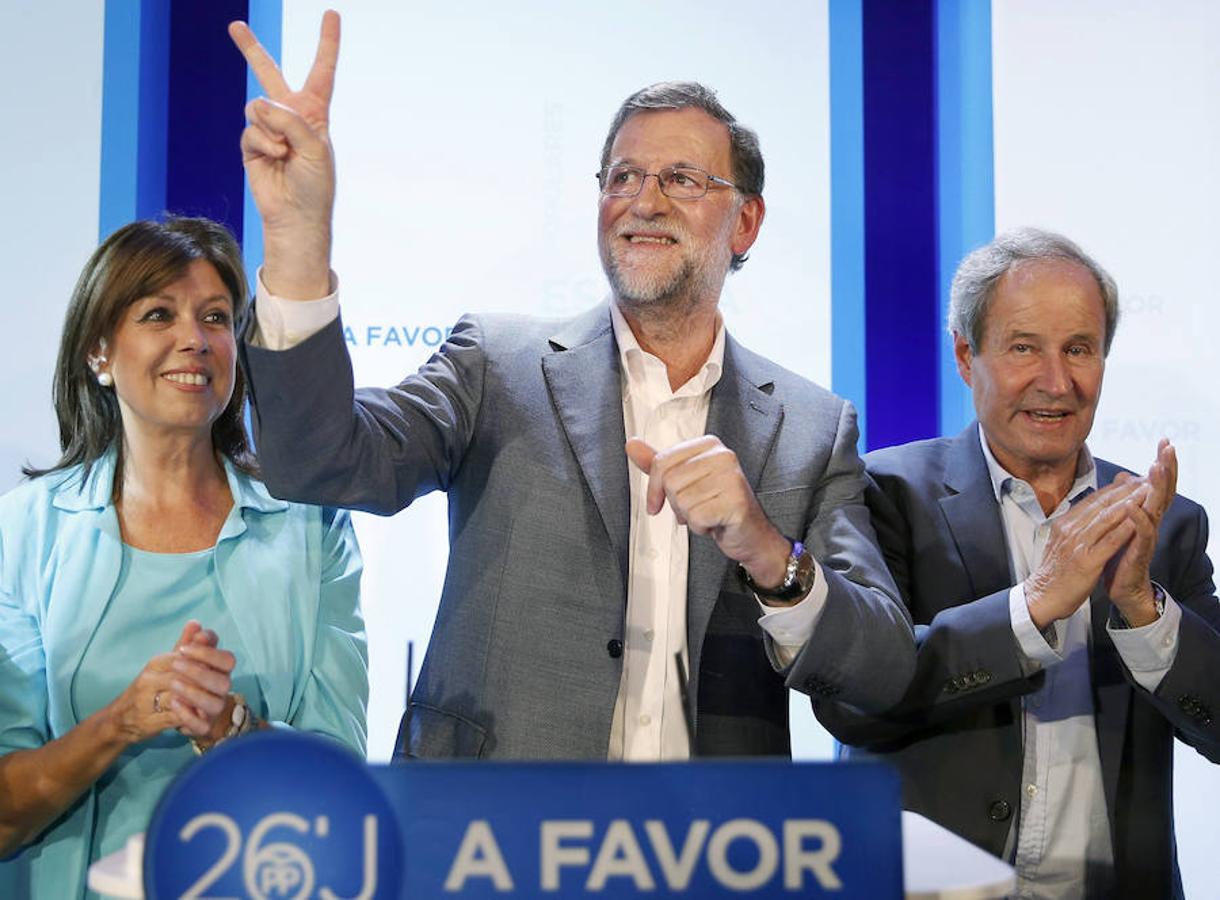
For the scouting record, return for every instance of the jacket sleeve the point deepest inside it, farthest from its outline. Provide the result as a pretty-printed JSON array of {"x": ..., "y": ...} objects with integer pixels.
[
  {"x": 862, "y": 649},
  {"x": 375, "y": 449},
  {"x": 966, "y": 657},
  {"x": 1189, "y": 694},
  {"x": 24, "y": 722},
  {"x": 335, "y": 696}
]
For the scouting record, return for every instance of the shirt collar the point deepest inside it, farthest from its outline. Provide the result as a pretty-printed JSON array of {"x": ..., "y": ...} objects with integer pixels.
[
  {"x": 631, "y": 355},
  {"x": 1001, "y": 478}
]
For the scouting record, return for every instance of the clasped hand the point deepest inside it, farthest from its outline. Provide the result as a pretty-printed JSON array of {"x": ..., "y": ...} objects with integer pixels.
[
  {"x": 186, "y": 689},
  {"x": 1109, "y": 536}
]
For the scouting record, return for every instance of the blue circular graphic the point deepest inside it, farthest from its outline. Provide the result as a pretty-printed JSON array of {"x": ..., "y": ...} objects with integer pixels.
[{"x": 274, "y": 816}]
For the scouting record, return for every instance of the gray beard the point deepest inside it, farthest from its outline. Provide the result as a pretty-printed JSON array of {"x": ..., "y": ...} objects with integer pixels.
[{"x": 645, "y": 294}]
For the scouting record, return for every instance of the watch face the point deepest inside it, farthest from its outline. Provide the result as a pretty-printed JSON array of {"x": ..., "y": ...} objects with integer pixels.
[{"x": 798, "y": 578}]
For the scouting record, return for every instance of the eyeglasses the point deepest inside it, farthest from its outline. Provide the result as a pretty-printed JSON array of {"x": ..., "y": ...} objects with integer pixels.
[{"x": 675, "y": 182}]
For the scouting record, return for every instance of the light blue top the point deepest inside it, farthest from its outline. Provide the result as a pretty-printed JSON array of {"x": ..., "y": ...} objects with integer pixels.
[{"x": 79, "y": 617}]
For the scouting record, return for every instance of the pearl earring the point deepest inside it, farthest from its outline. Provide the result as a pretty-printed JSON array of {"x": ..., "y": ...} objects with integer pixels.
[{"x": 104, "y": 379}]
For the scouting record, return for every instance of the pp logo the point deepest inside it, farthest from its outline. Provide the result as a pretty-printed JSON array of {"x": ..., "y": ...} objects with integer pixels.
[{"x": 275, "y": 816}]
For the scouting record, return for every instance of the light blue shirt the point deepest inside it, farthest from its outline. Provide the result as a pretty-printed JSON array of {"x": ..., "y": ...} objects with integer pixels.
[
  {"x": 287, "y": 574},
  {"x": 1063, "y": 834}
]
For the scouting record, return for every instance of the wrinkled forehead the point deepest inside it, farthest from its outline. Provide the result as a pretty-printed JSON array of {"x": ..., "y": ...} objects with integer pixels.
[
  {"x": 666, "y": 137},
  {"x": 1050, "y": 297}
]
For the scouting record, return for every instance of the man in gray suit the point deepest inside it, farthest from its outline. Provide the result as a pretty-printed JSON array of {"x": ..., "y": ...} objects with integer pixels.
[{"x": 574, "y": 578}]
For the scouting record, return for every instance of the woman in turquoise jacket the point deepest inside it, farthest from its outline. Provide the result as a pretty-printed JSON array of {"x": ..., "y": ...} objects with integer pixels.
[{"x": 154, "y": 598}]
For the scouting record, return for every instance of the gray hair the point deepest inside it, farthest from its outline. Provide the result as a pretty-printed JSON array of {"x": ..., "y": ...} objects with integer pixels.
[
  {"x": 979, "y": 273},
  {"x": 744, "y": 153}
]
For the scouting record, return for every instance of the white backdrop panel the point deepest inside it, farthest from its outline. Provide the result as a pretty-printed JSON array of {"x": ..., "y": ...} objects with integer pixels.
[
  {"x": 50, "y": 160},
  {"x": 1106, "y": 129},
  {"x": 467, "y": 137}
]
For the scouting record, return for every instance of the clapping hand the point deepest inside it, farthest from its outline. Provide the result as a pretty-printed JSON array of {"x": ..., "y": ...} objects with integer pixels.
[
  {"x": 1111, "y": 536},
  {"x": 186, "y": 689},
  {"x": 1127, "y": 579}
]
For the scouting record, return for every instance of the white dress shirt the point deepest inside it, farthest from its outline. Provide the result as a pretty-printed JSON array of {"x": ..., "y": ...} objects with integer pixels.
[
  {"x": 1063, "y": 831},
  {"x": 649, "y": 722}
]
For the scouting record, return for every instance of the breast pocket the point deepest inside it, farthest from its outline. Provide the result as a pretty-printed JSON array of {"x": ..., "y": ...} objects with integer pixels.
[{"x": 788, "y": 509}]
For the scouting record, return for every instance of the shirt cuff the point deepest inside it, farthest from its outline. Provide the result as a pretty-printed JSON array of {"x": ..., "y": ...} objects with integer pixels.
[
  {"x": 1036, "y": 648},
  {"x": 281, "y": 324},
  {"x": 1149, "y": 651},
  {"x": 791, "y": 627}
]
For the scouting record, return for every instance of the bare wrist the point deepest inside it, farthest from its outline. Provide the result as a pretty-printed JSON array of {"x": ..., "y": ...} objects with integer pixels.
[
  {"x": 1141, "y": 609},
  {"x": 1035, "y": 606},
  {"x": 768, "y": 568},
  {"x": 109, "y": 729},
  {"x": 296, "y": 264}
]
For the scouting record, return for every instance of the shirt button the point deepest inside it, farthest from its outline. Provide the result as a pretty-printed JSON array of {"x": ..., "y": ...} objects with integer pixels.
[
  {"x": 999, "y": 811},
  {"x": 645, "y": 720},
  {"x": 649, "y": 634},
  {"x": 1031, "y": 790},
  {"x": 614, "y": 647},
  {"x": 651, "y": 553}
]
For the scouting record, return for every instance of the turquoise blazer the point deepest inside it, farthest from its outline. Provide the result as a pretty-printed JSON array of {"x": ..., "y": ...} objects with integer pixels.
[{"x": 289, "y": 574}]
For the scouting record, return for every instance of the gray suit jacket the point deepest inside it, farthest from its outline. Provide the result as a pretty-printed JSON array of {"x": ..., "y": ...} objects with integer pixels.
[
  {"x": 956, "y": 735},
  {"x": 520, "y": 422}
]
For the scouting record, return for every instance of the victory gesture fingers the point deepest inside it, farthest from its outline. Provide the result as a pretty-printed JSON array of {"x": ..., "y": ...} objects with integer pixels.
[
  {"x": 289, "y": 162},
  {"x": 312, "y": 101}
]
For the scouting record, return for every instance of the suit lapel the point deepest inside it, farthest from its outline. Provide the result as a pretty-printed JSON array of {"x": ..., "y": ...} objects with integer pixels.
[
  {"x": 973, "y": 516},
  {"x": 87, "y": 570},
  {"x": 746, "y": 418},
  {"x": 585, "y": 384}
]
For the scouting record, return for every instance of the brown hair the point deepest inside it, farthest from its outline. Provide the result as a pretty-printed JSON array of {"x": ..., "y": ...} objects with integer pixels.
[{"x": 136, "y": 261}]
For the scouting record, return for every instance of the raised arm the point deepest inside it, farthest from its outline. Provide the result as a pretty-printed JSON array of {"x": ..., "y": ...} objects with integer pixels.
[{"x": 289, "y": 161}]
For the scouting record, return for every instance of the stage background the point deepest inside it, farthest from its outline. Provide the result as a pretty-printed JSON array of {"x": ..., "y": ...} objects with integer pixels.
[{"x": 467, "y": 144}]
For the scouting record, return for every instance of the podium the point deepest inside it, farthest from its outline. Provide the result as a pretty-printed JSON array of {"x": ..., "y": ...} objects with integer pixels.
[{"x": 287, "y": 815}]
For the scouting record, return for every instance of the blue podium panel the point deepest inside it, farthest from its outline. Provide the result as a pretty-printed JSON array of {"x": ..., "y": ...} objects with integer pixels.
[
  {"x": 273, "y": 816},
  {"x": 281, "y": 815},
  {"x": 724, "y": 829}
]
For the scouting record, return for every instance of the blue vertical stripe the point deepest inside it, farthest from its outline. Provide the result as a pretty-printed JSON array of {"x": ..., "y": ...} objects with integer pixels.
[
  {"x": 153, "y": 159},
  {"x": 134, "y": 112},
  {"x": 900, "y": 259},
  {"x": 266, "y": 18},
  {"x": 172, "y": 91},
  {"x": 120, "y": 115},
  {"x": 847, "y": 307},
  {"x": 966, "y": 168},
  {"x": 207, "y": 88}
]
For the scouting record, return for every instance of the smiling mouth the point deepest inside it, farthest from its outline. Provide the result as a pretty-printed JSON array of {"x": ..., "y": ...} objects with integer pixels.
[
  {"x": 191, "y": 378},
  {"x": 650, "y": 239},
  {"x": 1047, "y": 415}
]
